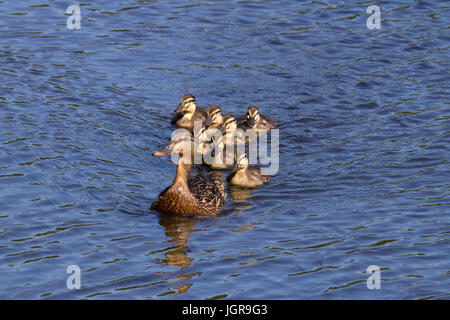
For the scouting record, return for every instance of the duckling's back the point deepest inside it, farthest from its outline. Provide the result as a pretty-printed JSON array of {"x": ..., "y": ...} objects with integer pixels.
[{"x": 249, "y": 178}]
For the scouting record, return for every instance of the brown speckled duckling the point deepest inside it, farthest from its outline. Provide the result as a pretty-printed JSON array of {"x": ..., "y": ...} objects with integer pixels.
[
  {"x": 231, "y": 133},
  {"x": 189, "y": 194},
  {"x": 214, "y": 120},
  {"x": 246, "y": 176},
  {"x": 191, "y": 113},
  {"x": 256, "y": 121}
]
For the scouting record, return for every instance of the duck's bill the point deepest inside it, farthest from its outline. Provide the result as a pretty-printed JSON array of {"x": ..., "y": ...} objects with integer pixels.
[
  {"x": 164, "y": 151},
  {"x": 179, "y": 109}
]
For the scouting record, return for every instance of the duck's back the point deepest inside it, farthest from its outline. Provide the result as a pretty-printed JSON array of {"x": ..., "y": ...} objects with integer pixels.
[
  {"x": 208, "y": 191},
  {"x": 200, "y": 114},
  {"x": 254, "y": 173},
  {"x": 249, "y": 178},
  {"x": 204, "y": 197},
  {"x": 267, "y": 123}
]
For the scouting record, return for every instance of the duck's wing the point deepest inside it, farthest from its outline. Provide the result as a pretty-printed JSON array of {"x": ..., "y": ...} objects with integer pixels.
[
  {"x": 254, "y": 172},
  {"x": 221, "y": 186},
  {"x": 269, "y": 122},
  {"x": 200, "y": 114},
  {"x": 207, "y": 191}
]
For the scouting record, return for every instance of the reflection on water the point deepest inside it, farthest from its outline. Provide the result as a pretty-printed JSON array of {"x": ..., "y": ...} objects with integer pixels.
[
  {"x": 178, "y": 229},
  {"x": 364, "y": 136},
  {"x": 238, "y": 194}
]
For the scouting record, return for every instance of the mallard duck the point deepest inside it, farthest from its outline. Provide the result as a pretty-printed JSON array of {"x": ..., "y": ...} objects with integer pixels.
[
  {"x": 214, "y": 120},
  {"x": 246, "y": 176},
  {"x": 254, "y": 120},
  {"x": 191, "y": 113},
  {"x": 190, "y": 194}
]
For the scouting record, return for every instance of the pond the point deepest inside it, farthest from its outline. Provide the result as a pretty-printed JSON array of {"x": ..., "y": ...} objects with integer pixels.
[{"x": 364, "y": 137}]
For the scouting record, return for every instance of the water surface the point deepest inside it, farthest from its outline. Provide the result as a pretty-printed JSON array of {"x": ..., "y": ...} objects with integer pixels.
[{"x": 364, "y": 149}]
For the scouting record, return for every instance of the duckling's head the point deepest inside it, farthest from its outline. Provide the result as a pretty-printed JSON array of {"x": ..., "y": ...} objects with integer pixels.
[
  {"x": 187, "y": 104},
  {"x": 252, "y": 116},
  {"x": 180, "y": 144},
  {"x": 241, "y": 163},
  {"x": 229, "y": 123},
  {"x": 214, "y": 116}
]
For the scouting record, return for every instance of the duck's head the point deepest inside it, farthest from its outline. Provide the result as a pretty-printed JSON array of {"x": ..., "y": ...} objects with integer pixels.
[
  {"x": 241, "y": 163},
  {"x": 179, "y": 144},
  {"x": 252, "y": 117},
  {"x": 214, "y": 116},
  {"x": 187, "y": 104},
  {"x": 229, "y": 123}
]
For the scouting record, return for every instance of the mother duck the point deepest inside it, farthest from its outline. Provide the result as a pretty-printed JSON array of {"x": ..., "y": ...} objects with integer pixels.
[{"x": 190, "y": 194}]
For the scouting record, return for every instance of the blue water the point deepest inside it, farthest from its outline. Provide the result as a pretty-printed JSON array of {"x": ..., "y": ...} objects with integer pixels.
[{"x": 364, "y": 149}]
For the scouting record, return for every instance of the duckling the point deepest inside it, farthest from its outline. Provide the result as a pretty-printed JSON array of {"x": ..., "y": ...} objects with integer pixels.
[
  {"x": 246, "y": 176},
  {"x": 195, "y": 194},
  {"x": 191, "y": 113},
  {"x": 214, "y": 120},
  {"x": 230, "y": 131},
  {"x": 229, "y": 123},
  {"x": 253, "y": 120},
  {"x": 213, "y": 123}
]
